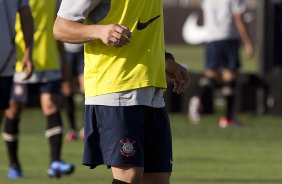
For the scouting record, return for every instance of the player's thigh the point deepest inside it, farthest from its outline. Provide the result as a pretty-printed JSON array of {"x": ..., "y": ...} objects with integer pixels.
[{"x": 157, "y": 178}]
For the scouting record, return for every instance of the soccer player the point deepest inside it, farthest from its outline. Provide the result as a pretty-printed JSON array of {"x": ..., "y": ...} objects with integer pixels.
[
  {"x": 8, "y": 57},
  {"x": 126, "y": 124},
  {"x": 46, "y": 82},
  {"x": 75, "y": 59},
  {"x": 225, "y": 26}
]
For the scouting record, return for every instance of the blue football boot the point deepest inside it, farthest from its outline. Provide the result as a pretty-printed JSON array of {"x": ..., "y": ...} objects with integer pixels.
[
  {"x": 59, "y": 168},
  {"x": 14, "y": 173}
]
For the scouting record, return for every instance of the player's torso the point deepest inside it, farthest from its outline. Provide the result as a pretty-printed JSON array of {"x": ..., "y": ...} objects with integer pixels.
[
  {"x": 218, "y": 19},
  {"x": 138, "y": 64}
]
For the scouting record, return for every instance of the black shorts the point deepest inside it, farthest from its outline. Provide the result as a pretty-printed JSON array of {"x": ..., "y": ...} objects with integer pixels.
[
  {"x": 5, "y": 91},
  {"x": 131, "y": 136},
  {"x": 223, "y": 55},
  {"x": 24, "y": 92}
]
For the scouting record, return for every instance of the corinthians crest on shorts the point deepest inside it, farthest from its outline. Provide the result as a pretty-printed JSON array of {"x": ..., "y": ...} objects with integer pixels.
[{"x": 127, "y": 148}]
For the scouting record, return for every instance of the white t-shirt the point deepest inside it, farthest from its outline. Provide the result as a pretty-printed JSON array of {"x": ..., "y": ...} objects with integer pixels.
[
  {"x": 79, "y": 11},
  {"x": 7, "y": 23},
  {"x": 218, "y": 18}
]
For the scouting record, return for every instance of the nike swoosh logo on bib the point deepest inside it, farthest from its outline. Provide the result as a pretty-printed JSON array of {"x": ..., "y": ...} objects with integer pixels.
[{"x": 141, "y": 25}]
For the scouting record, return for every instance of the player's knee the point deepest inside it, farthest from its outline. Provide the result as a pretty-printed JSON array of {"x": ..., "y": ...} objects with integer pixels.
[
  {"x": 49, "y": 104},
  {"x": 11, "y": 114},
  {"x": 14, "y": 110}
]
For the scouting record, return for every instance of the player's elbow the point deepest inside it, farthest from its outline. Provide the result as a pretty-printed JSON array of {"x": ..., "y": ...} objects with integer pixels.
[
  {"x": 57, "y": 31},
  {"x": 60, "y": 29}
]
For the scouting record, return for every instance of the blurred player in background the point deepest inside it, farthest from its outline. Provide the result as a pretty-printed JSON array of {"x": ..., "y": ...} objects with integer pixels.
[
  {"x": 75, "y": 59},
  {"x": 46, "y": 82},
  {"x": 225, "y": 25},
  {"x": 8, "y": 56}
]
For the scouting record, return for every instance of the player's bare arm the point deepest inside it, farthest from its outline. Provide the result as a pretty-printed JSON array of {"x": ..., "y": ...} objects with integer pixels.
[
  {"x": 28, "y": 30},
  {"x": 115, "y": 35},
  {"x": 244, "y": 34},
  {"x": 178, "y": 74}
]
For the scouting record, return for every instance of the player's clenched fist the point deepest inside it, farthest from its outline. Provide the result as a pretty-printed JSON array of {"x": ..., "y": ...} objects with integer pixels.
[{"x": 115, "y": 35}]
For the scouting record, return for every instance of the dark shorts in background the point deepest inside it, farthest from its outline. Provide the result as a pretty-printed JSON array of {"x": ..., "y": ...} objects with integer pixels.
[
  {"x": 5, "y": 91},
  {"x": 24, "y": 93},
  {"x": 75, "y": 63},
  {"x": 134, "y": 136},
  {"x": 223, "y": 55}
]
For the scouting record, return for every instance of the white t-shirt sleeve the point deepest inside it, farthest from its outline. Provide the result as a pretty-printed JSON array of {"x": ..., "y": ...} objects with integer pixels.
[
  {"x": 238, "y": 6},
  {"x": 76, "y": 10}
]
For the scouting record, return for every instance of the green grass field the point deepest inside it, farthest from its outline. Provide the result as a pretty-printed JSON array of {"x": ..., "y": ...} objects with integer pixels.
[{"x": 203, "y": 154}]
